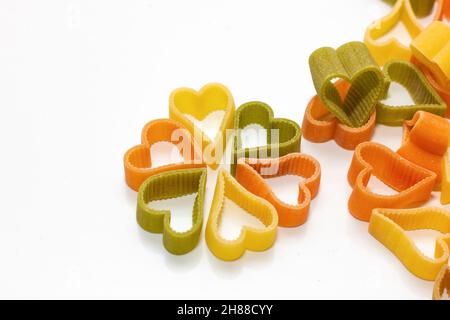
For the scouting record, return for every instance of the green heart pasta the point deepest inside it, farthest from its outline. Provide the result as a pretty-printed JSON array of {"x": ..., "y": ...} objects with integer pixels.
[
  {"x": 421, "y": 8},
  {"x": 169, "y": 185},
  {"x": 259, "y": 113},
  {"x": 351, "y": 62},
  {"x": 423, "y": 95}
]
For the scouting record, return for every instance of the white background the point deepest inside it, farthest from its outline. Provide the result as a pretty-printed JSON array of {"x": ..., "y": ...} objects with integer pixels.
[{"x": 80, "y": 78}]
